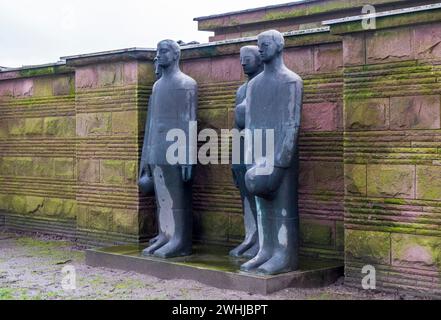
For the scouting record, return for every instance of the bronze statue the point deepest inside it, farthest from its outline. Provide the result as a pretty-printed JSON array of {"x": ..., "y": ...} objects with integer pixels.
[
  {"x": 252, "y": 66},
  {"x": 274, "y": 102},
  {"x": 145, "y": 180},
  {"x": 173, "y": 105}
]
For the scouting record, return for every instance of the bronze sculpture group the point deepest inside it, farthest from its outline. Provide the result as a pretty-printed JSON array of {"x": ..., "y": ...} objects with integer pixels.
[{"x": 270, "y": 102}]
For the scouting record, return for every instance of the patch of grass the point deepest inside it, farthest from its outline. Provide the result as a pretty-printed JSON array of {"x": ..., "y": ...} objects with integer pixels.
[{"x": 6, "y": 294}]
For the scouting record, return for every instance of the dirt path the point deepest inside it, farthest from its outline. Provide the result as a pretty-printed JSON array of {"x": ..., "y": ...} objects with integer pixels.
[{"x": 31, "y": 268}]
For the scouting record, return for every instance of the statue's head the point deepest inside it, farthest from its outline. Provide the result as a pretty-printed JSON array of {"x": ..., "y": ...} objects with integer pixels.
[
  {"x": 158, "y": 69},
  {"x": 271, "y": 44},
  {"x": 250, "y": 60},
  {"x": 168, "y": 53}
]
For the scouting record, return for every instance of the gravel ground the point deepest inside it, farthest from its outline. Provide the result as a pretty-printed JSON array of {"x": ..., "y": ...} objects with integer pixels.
[{"x": 31, "y": 268}]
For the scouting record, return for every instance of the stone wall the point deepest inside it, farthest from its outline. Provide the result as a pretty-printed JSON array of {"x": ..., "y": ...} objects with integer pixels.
[
  {"x": 37, "y": 149},
  {"x": 391, "y": 152}
]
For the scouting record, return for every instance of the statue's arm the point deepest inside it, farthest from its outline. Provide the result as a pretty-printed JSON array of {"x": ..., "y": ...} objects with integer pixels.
[
  {"x": 239, "y": 110},
  {"x": 143, "y": 167},
  {"x": 187, "y": 169},
  {"x": 291, "y": 127}
]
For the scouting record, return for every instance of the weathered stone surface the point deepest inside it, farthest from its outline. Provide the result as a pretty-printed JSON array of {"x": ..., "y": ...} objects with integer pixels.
[
  {"x": 7, "y": 89},
  {"x": 109, "y": 74},
  {"x": 428, "y": 180},
  {"x": 7, "y": 167},
  {"x": 213, "y": 119},
  {"x": 415, "y": 112},
  {"x": 82, "y": 216},
  {"x": 3, "y": 129},
  {"x": 199, "y": 69},
  {"x": 18, "y": 205},
  {"x": 427, "y": 41},
  {"x": 89, "y": 170},
  {"x": 43, "y": 87},
  {"x": 34, "y": 205},
  {"x": 213, "y": 225},
  {"x": 125, "y": 221},
  {"x": 34, "y": 126},
  {"x": 43, "y": 167},
  {"x": 389, "y": 45},
  {"x": 69, "y": 209},
  {"x": 23, "y": 88},
  {"x": 322, "y": 116},
  {"x": 339, "y": 235},
  {"x": 396, "y": 181},
  {"x": 416, "y": 251},
  {"x": 354, "y": 49},
  {"x": 355, "y": 179},
  {"x": 86, "y": 77},
  {"x": 53, "y": 207},
  {"x": 64, "y": 168},
  {"x": 317, "y": 233},
  {"x": 301, "y": 60},
  {"x": 130, "y": 72},
  {"x": 226, "y": 69},
  {"x": 368, "y": 114},
  {"x": 125, "y": 122},
  {"x": 146, "y": 73},
  {"x": 112, "y": 171},
  {"x": 93, "y": 124},
  {"x": 321, "y": 176},
  {"x": 63, "y": 86},
  {"x": 369, "y": 246},
  {"x": 16, "y": 127},
  {"x": 23, "y": 166},
  {"x": 236, "y": 227},
  {"x": 59, "y": 126},
  {"x": 328, "y": 57},
  {"x": 100, "y": 218},
  {"x": 131, "y": 172}
]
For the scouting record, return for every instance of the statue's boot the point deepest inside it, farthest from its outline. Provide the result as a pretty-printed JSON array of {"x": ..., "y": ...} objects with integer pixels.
[
  {"x": 285, "y": 257},
  {"x": 250, "y": 216},
  {"x": 180, "y": 243},
  {"x": 253, "y": 251},
  {"x": 242, "y": 248},
  {"x": 160, "y": 242},
  {"x": 265, "y": 238},
  {"x": 154, "y": 239}
]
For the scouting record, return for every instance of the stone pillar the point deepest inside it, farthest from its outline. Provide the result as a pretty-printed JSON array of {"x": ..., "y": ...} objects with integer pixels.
[
  {"x": 111, "y": 103},
  {"x": 391, "y": 151},
  {"x": 37, "y": 149}
]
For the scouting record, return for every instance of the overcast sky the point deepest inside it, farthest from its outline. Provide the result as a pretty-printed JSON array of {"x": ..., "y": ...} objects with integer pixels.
[{"x": 42, "y": 31}]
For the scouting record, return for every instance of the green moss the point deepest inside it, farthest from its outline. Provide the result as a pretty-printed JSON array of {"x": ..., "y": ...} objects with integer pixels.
[
  {"x": 59, "y": 126},
  {"x": 33, "y": 126},
  {"x": 405, "y": 19},
  {"x": 112, "y": 171},
  {"x": 64, "y": 168},
  {"x": 369, "y": 246},
  {"x": 37, "y": 71},
  {"x": 315, "y": 233}
]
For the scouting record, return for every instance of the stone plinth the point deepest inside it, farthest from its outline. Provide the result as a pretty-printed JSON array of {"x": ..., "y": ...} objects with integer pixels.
[{"x": 212, "y": 266}]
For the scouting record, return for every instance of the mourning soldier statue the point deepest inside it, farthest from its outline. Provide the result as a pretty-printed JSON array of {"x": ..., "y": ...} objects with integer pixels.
[
  {"x": 252, "y": 66},
  {"x": 172, "y": 106},
  {"x": 273, "y": 106}
]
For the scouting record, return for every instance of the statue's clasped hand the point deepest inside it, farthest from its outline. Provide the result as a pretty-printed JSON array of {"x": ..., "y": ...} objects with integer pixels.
[{"x": 263, "y": 185}]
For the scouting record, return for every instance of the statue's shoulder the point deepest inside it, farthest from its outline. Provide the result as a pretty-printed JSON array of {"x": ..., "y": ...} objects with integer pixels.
[
  {"x": 187, "y": 81},
  {"x": 242, "y": 89},
  {"x": 256, "y": 80},
  {"x": 291, "y": 76}
]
